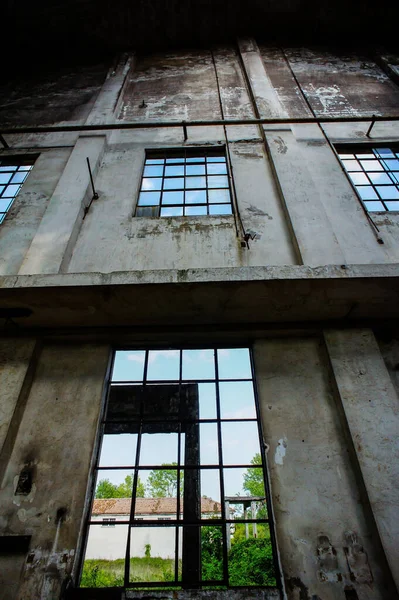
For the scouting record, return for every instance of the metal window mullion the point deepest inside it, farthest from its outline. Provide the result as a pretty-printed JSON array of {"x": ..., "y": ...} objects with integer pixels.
[
  {"x": 206, "y": 188},
  {"x": 177, "y": 532},
  {"x": 221, "y": 476},
  {"x": 162, "y": 190}
]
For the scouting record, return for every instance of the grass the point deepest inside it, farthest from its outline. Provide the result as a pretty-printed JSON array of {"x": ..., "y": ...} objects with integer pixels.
[{"x": 110, "y": 573}]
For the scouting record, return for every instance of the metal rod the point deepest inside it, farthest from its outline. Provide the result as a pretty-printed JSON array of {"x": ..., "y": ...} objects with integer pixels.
[
  {"x": 95, "y": 195},
  {"x": 373, "y": 118},
  {"x": 2, "y": 140},
  {"x": 204, "y": 123},
  {"x": 185, "y": 131}
]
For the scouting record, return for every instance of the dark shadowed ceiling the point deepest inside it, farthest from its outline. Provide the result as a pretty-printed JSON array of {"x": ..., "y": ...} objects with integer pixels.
[{"x": 88, "y": 28}]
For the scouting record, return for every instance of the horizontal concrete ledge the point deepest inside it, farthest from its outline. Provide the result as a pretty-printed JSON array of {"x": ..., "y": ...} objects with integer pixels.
[
  {"x": 230, "y": 594},
  {"x": 203, "y": 296},
  {"x": 225, "y": 274}
]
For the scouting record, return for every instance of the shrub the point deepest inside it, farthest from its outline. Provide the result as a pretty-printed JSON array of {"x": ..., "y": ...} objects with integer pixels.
[{"x": 251, "y": 563}]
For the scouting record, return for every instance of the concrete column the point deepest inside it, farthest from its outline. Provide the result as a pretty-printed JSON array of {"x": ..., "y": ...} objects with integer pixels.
[
  {"x": 53, "y": 244},
  {"x": 105, "y": 106},
  {"x": 371, "y": 408},
  {"x": 268, "y": 103},
  {"x": 311, "y": 228}
]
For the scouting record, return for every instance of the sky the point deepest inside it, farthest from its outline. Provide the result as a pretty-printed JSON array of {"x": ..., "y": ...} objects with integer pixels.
[{"x": 236, "y": 401}]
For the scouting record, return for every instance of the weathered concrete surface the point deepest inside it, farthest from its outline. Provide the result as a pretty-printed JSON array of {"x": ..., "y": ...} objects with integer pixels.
[
  {"x": 317, "y": 504},
  {"x": 231, "y": 594},
  {"x": 343, "y": 85},
  {"x": 389, "y": 348},
  {"x": 23, "y": 219},
  {"x": 55, "y": 441},
  {"x": 56, "y": 235},
  {"x": 370, "y": 404},
  {"x": 263, "y": 296},
  {"x": 57, "y": 94},
  {"x": 14, "y": 362}
]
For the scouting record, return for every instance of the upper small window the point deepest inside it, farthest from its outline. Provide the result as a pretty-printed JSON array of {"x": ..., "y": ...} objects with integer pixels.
[
  {"x": 375, "y": 174},
  {"x": 180, "y": 183},
  {"x": 13, "y": 172}
]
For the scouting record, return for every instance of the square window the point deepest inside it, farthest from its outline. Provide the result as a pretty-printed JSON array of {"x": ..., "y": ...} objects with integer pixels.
[
  {"x": 177, "y": 184},
  {"x": 375, "y": 175},
  {"x": 13, "y": 173}
]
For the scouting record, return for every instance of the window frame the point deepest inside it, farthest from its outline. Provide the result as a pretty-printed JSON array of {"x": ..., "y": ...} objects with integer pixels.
[
  {"x": 206, "y": 521},
  {"x": 362, "y": 148},
  {"x": 14, "y": 160},
  {"x": 184, "y": 153}
]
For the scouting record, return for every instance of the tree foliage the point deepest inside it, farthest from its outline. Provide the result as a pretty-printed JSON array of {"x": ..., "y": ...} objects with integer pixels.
[
  {"x": 251, "y": 563},
  {"x": 162, "y": 483},
  {"x": 106, "y": 489},
  {"x": 253, "y": 478}
]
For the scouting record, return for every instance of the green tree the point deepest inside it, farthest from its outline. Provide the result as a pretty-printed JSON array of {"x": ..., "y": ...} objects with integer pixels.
[
  {"x": 162, "y": 483},
  {"x": 251, "y": 563},
  {"x": 253, "y": 478},
  {"x": 106, "y": 489}
]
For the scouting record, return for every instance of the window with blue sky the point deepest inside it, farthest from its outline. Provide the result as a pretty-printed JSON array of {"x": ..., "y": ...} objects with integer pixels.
[
  {"x": 374, "y": 171},
  {"x": 181, "y": 452},
  {"x": 179, "y": 183},
  {"x": 13, "y": 173}
]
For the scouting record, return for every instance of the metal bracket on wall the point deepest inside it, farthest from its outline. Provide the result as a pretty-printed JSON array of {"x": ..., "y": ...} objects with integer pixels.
[
  {"x": 95, "y": 195},
  {"x": 371, "y": 126}
]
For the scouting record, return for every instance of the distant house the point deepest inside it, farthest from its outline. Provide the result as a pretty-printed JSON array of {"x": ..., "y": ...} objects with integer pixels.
[{"x": 108, "y": 540}]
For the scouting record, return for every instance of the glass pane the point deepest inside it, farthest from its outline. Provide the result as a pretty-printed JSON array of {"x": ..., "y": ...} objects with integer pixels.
[
  {"x": 345, "y": 156},
  {"x": 195, "y": 182},
  {"x": 195, "y": 211},
  {"x": 257, "y": 568},
  {"x": 234, "y": 363},
  {"x": 198, "y": 364},
  {"x": 153, "y": 171},
  {"x": 216, "y": 159},
  {"x": 197, "y": 197},
  {"x": 218, "y": 196},
  {"x": 173, "y": 183},
  {"x": 4, "y": 204},
  {"x": 118, "y": 450},
  {"x": 392, "y": 205},
  {"x": 25, "y": 168},
  {"x": 5, "y": 177},
  {"x": 371, "y": 165},
  {"x": 363, "y": 155},
  {"x": 158, "y": 448},
  {"x": 394, "y": 176},
  {"x": 173, "y": 171},
  {"x": 367, "y": 193},
  {"x": 209, "y": 453},
  {"x": 237, "y": 400},
  {"x": 195, "y": 159},
  {"x": 374, "y": 206},
  {"x": 379, "y": 178},
  {"x": 385, "y": 152},
  {"x": 211, "y": 553},
  {"x": 359, "y": 178},
  {"x": 104, "y": 562},
  {"x": 112, "y": 484},
  {"x": 150, "y": 184},
  {"x": 163, "y": 365},
  {"x": 8, "y": 168},
  {"x": 217, "y": 169},
  {"x": 233, "y": 482},
  {"x": 210, "y": 494},
  {"x": 19, "y": 177},
  {"x": 128, "y": 365},
  {"x": 1, "y": 188},
  {"x": 156, "y": 509},
  {"x": 161, "y": 482},
  {"x": 234, "y": 451},
  {"x": 392, "y": 164},
  {"x": 218, "y": 181},
  {"x": 352, "y": 165},
  {"x": 195, "y": 169},
  {"x": 207, "y": 400},
  {"x": 149, "y": 198},
  {"x": 220, "y": 209},
  {"x": 388, "y": 192},
  {"x": 11, "y": 191},
  {"x": 172, "y": 212},
  {"x": 172, "y": 197},
  {"x": 170, "y": 161},
  {"x": 154, "y": 161},
  {"x": 152, "y": 554}
]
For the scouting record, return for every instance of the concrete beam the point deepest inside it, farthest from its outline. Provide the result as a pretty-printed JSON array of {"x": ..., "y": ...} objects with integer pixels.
[{"x": 370, "y": 405}]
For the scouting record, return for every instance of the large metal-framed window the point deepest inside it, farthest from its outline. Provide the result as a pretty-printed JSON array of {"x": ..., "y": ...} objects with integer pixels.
[
  {"x": 184, "y": 182},
  {"x": 374, "y": 172},
  {"x": 13, "y": 172},
  {"x": 182, "y": 428}
]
